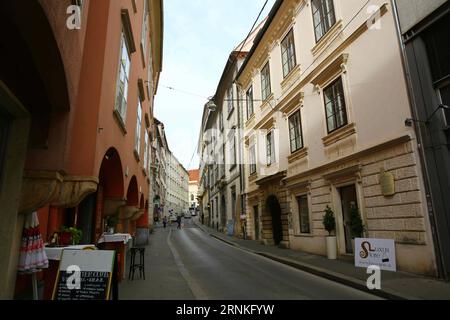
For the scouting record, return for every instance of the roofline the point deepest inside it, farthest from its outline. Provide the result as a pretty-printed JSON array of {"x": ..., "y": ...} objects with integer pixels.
[{"x": 262, "y": 32}]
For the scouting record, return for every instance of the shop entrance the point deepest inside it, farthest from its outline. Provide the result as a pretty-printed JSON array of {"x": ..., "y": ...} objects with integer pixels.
[
  {"x": 348, "y": 200},
  {"x": 274, "y": 208}
]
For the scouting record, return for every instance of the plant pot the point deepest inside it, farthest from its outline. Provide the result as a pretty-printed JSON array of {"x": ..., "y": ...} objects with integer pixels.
[
  {"x": 332, "y": 248},
  {"x": 65, "y": 238}
]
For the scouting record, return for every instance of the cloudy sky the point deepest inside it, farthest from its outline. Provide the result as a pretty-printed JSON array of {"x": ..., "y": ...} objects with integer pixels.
[{"x": 199, "y": 36}]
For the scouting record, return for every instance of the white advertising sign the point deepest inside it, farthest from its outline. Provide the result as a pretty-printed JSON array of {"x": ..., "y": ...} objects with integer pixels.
[{"x": 375, "y": 252}]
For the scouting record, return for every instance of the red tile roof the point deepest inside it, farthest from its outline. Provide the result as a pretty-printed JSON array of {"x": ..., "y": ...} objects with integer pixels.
[{"x": 194, "y": 175}]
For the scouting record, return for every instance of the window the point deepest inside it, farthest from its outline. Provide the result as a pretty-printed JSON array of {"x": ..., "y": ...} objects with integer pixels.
[
  {"x": 270, "y": 148},
  {"x": 145, "y": 28},
  {"x": 265, "y": 82},
  {"x": 335, "y": 106},
  {"x": 123, "y": 78},
  {"x": 288, "y": 53},
  {"x": 192, "y": 198},
  {"x": 230, "y": 97},
  {"x": 232, "y": 139},
  {"x": 303, "y": 214},
  {"x": 295, "y": 132},
  {"x": 323, "y": 16},
  {"x": 252, "y": 159},
  {"x": 220, "y": 115},
  {"x": 250, "y": 109},
  {"x": 445, "y": 96},
  {"x": 146, "y": 163},
  {"x": 137, "y": 146}
]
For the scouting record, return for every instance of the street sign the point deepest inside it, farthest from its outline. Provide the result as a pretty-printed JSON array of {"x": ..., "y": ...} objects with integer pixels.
[{"x": 375, "y": 252}]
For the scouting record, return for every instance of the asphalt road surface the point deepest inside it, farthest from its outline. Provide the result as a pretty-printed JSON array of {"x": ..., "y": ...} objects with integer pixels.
[{"x": 213, "y": 270}]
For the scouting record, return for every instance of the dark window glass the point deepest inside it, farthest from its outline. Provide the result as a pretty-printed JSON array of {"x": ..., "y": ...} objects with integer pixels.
[
  {"x": 265, "y": 82},
  {"x": 445, "y": 95},
  {"x": 253, "y": 160},
  {"x": 303, "y": 212},
  {"x": 288, "y": 53},
  {"x": 323, "y": 16},
  {"x": 437, "y": 40},
  {"x": 270, "y": 148},
  {"x": 250, "y": 109},
  {"x": 335, "y": 106},
  {"x": 295, "y": 132}
]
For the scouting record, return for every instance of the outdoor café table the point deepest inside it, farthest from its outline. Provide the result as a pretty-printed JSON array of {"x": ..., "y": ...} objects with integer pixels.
[
  {"x": 117, "y": 242},
  {"x": 54, "y": 256}
]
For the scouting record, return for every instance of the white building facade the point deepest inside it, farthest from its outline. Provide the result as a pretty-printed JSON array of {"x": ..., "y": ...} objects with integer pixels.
[
  {"x": 177, "y": 194},
  {"x": 326, "y": 104}
]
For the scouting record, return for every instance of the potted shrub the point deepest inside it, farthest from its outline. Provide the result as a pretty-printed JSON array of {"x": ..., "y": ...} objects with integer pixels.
[
  {"x": 329, "y": 223},
  {"x": 70, "y": 236},
  {"x": 356, "y": 225}
]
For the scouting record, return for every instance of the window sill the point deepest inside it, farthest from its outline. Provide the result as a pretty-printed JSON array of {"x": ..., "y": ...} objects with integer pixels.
[
  {"x": 250, "y": 120},
  {"x": 291, "y": 77},
  {"x": 326, "y": 39},
  {"x": 339, "y": 134},
  {"x": 298, "y": 155},
  {"x": 136, "y": 155},
  {"x": 120, "y": 122},
  {"x": 230, "y": 114},
  {"x": 266, "y": 102},
  {"x": 253, "y": 177}
]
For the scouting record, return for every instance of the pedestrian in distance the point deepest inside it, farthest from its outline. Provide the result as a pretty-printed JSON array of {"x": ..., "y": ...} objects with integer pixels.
[
  {"x": 165, "y": 222},
  {"x": 179, "y": 222}
]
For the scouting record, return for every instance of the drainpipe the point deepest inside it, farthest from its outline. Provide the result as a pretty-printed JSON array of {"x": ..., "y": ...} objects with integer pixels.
[
  {"x": 422, "y": 156},
  {"x": 241, "y": 160}
]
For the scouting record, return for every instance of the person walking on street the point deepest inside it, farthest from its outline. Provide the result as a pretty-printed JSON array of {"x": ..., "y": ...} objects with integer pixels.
[
  {"x": 179, "y": 222},
  {"x": 165, "y": 222}
]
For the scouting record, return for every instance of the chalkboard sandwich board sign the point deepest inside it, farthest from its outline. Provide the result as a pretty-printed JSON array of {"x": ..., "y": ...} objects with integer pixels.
[{"x": 84, "y": 275}]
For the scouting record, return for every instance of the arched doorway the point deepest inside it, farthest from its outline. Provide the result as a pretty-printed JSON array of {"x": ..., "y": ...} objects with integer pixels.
[
  {"x": 110, "y": 193},
  {"x": 274, "y": 210}
]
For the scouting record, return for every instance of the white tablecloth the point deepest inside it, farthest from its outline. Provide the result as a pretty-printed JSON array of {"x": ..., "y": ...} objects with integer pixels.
[
  {"x": 54, "y": 253},
  {"x": 118, "y": 237}
]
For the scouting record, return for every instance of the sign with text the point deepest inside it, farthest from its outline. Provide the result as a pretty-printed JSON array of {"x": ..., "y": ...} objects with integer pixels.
[
  {"x": 375, "y": 252},
  {"x": 84, "y": 275}
]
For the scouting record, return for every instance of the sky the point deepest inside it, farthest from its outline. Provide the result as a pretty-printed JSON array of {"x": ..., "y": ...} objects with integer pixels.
[{"x": 199, "y": 35}]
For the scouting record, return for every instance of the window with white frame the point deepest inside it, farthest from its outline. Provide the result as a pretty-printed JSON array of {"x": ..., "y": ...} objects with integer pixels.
[
  {"x": 137, "y": 146},
  {"x": 249, "y": 96},
  {"x": 232, "y": 144},
  {"x": 295, "y": 132},
  {"x": 123, "y": 79},
  {"x": 324, "y": 17},
  {"x": 252, "y": 159},
  {"x": 303, "y": 214},
  {"x": 230, "y": 98},
  {"x": 288, "y": 53},
  {"x": 266, "y": 90},
  {"x": 335, "y": 105},
  {"x": 270, "y": 148}
]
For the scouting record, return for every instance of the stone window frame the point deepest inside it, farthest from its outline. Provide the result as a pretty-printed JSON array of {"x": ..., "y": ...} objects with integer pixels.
[
  {"x": 266, "y": 83},
  {"x": 288, "y": 60},
  {"x": 338, "y": 80},
  {"x": 323, "y": 17}
]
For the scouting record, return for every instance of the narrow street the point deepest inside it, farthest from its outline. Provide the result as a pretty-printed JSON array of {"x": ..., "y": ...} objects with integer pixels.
[{"x": 188, "y": 264}]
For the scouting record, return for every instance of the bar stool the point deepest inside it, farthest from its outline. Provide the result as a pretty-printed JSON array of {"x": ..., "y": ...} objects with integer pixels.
[{"x": 134, "y": 265}]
